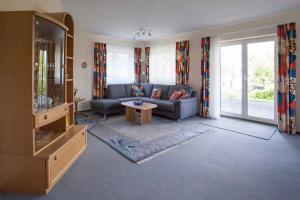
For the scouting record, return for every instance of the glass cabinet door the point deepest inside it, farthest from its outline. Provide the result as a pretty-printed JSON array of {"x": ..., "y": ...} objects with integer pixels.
[{"x": 49, "y": 70}]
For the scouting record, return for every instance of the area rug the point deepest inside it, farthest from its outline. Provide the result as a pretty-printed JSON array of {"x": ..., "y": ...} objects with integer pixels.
[
  {"x": 249, "y": 128},
  {"x": 140, "y": 143}
]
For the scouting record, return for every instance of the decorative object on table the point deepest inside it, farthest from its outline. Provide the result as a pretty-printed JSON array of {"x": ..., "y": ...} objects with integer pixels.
[
  {"x": 49, "y": 101},
  {"x": 84, "y": 65},
  {"x": 137, "y": 103}
]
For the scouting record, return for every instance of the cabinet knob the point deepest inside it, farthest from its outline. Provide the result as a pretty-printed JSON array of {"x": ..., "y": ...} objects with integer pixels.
[
  {"x": 82, "y": 133},
  {"x": 45, "y": 117},
  {"x": 55, "y": 157}
]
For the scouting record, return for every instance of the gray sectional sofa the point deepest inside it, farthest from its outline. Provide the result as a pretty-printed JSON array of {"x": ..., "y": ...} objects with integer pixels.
[{"x": 118, "y": 93}]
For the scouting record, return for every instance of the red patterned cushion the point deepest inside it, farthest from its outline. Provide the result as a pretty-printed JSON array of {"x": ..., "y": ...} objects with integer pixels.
[
  {"x": 137, "y": 91},
  {"x": 175, "y": 95},
  {"x": 156, "y": 93},
  {"x": 184, "y": 96}
]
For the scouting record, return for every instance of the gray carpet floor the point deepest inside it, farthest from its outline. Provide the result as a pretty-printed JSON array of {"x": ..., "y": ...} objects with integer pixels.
[{"x": 224, "y": 166}]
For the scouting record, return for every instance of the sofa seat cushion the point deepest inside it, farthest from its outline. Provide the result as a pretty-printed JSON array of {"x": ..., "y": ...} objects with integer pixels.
[
  {"x": 116, "y": 91},
  {"x": 106, "y": 104},
  {"x": 165, "y": 105},
  {"x": 162, "y": 104},
  {"x": 128, "y": 99},
  {"x": 147, "y": 99}
]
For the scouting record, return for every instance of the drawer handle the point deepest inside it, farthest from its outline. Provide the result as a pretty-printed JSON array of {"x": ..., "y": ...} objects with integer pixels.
[
  {"x": 55, "y": 157},
  {"x": 45, "y": 117}
]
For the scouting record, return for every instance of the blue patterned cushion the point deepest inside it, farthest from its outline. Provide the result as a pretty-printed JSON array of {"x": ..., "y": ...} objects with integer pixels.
[{"x": 137, "y": 91}]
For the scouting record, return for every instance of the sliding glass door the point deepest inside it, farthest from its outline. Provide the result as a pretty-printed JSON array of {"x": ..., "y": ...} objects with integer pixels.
[
  {"x": 231, "y": 79},
  {"x": 248, "y": 79}
]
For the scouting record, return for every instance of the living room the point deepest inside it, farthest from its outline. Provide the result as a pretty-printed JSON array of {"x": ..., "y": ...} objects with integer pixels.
[{"x": 149, "y": 99}]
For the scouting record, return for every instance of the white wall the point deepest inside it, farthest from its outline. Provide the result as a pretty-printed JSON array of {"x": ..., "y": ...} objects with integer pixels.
[
  {"x": 38, "y": 5},
  {"x": 234, "y": 30},
  {"x": 84, "y": 52}
]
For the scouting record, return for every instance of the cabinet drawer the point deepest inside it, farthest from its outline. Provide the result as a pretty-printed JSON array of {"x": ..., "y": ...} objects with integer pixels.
[
  {"x": 63, "y": 158},
  {"x": 44, "y": 118}
]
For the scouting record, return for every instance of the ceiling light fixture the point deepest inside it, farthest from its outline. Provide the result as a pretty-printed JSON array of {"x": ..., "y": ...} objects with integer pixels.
[{"x": 142, "y": 33}]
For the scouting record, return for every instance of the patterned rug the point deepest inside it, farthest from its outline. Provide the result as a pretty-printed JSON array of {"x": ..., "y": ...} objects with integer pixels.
[{"x": 140, "y": 143}]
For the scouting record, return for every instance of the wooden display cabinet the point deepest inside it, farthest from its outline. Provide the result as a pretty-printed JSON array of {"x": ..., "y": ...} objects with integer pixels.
[{"x": 38, "y": 138}]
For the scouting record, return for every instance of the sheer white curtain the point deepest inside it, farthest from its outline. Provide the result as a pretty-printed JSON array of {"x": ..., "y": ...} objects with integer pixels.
[
  {"x": 120, "y": 64},
  {"x": 162, "y": 68},
  {"x": 214, "y": 81}
]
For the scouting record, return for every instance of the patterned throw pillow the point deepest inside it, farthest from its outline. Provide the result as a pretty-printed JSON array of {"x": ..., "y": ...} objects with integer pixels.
[
  {"x": 156, "y": 93},
  {"x": 186, "y": 91},
  {"x": 175, "y": 95},
  {"x": 137, "y": 91},
  {"x": 184, "y": 94}
]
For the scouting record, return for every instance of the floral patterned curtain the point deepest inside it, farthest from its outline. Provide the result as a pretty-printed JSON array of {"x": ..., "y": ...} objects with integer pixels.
[
  {"x": 99, "y": 86},
  {"x": 147, "y": 61},
  {"x": 286, "y": 35},
  {"x": 204, "y": 90},
  {"x": 137, "y": 64},
  {"x": 182, "y": 62}
]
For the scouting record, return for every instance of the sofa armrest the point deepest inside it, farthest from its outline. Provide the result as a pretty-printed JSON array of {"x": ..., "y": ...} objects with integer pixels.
[
  {"x": 186, "y": 107},
  {"x": 194, "y": 94},
  {"x": 185, "y": 101}
]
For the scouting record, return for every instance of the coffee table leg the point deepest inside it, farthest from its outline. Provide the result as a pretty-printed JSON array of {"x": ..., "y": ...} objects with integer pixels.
[
  {"x": 130, "y": 114},
  {"x": 146, "y": 116}
]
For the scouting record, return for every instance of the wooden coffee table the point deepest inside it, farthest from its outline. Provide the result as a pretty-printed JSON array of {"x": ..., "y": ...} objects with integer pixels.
[{"x": 141, "y": 113}]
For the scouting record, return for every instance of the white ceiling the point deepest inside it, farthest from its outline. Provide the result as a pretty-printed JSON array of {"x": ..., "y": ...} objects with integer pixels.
[{"x": 122, "y": 18}]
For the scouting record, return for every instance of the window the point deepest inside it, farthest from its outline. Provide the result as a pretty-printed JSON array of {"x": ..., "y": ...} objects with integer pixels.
[
  {"x": 248, "y": 79},
  {"x": 162, "y": 64},
  {"x": 120, "y": 64}
]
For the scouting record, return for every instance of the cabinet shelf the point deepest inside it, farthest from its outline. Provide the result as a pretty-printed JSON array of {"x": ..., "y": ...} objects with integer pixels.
[
  {"x": 55, "y": 137},
  {"x": 64, "y": 138}
]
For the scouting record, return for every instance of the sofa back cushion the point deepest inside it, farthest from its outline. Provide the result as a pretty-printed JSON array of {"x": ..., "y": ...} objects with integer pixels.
[
  {"x": 173, "y": 88},
  {"x": 116, "y": 91},
  {"x": 147, "y": 89},
  {"x": 164, "y": 90},
  {"x": 128, "y": 89}
]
